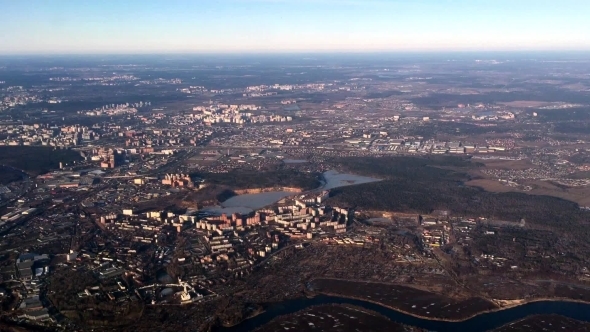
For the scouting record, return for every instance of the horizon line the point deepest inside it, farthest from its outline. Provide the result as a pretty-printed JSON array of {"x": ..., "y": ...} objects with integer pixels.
[{"x": 296, "y": 52}]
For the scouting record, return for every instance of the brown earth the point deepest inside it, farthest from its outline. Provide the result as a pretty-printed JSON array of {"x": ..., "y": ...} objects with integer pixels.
[
  {"x": 580, "y": 195},
  {"x": 506, "y": 164}
]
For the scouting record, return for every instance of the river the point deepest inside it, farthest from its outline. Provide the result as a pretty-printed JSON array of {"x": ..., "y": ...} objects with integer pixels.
[{"x": 482, "y": 322}]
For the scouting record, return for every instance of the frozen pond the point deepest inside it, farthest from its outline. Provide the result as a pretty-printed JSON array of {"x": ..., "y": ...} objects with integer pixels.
[
  {"x": 334, "y": 180},
  {"x": 247, "y": 203}
]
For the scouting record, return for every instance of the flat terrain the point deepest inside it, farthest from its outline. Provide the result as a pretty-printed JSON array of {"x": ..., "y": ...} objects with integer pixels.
[
  {"x": 580, "y": 195},
  {"x": 506, "y": 164},
  {"x": 334, "y": 318}
]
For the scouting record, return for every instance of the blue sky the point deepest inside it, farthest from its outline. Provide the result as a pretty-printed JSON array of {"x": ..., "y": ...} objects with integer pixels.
[{"x": 211, "y": 26}]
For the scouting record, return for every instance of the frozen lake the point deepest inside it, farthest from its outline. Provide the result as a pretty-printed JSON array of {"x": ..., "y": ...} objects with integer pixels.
[{"x": 247, "y": 203}]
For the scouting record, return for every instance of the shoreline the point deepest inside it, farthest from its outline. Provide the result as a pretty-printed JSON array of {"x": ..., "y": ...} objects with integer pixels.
[
  {"x": 451, "y": 320},
  {"x": 517, "y": 303},
  {"x": 258, "y": 313},
  {"x": 501, "y": 304},
  {"x": 266, "y": 189}
]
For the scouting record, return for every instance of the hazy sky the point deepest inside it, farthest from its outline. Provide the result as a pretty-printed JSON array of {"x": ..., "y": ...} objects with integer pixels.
[{"x": 154, "y": 26}]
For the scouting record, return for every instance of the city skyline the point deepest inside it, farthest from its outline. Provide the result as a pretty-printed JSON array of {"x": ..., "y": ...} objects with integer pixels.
[{"x": 279, "y": 26}]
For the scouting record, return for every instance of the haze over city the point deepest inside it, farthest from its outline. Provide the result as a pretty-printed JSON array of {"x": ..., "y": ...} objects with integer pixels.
[
  {"x": 295, "y": 165},
  {"x": 233, "y": 26}
]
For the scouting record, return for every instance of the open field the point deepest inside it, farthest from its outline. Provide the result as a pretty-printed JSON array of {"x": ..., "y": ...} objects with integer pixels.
[
  {"x": 506, "y": 164},
  {"x": 580, "y": 195}
]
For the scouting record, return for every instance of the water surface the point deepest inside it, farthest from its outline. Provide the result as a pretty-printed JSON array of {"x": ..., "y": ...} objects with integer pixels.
[
  {"x": 247, "y": 203},
  {"x": 479, "y": 323}
]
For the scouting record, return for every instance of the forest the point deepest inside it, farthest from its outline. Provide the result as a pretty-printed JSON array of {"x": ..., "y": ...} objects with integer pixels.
[
  {"x": 36, "y": 160},
  {"x": 247, "y": 179},
  {"x": 424, "y": 184}
]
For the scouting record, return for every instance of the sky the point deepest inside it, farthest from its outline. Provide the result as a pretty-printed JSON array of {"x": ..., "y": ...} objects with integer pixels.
[{"x": 276, "y": 26}]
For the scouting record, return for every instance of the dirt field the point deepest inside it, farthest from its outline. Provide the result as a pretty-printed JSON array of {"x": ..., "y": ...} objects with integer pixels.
[
  {"x": 410, "y": 300},
  {"x": 580, "y": 195},
  {"x": 506, "y": 164}
]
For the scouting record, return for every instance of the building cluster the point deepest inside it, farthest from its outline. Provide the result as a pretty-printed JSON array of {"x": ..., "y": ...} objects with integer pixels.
[
  {"x": 178, "y": 180},
  {"x": 194, "y": 89},
  {"x": 145, "y": 227},
  {"x": 491, "y": 116},
  {"x": 237, "y": 251},
  {"x": 164, "y": 138},
  {"x": 13, "y": 96},
  {"x": 30, "y": 267},
  {"x": 236, "y": 220},
  {"x": 46, "y": 135},
  {"x": 417, "y": 145},
  {"x": 287, "y": 87},
  {"x": 116, "y": 109},
  {"x": 109, "y": 158},
  {"x": 300, "y": 221},
  {"x": 264, "y": 90},
  {"x": 350, "y": 240},
  {"x": 161, "y": 81},
  {"x": 100, "y": 79},
  {"x": 237, "y": 114},
  {"x": 15, "y": 215}
]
